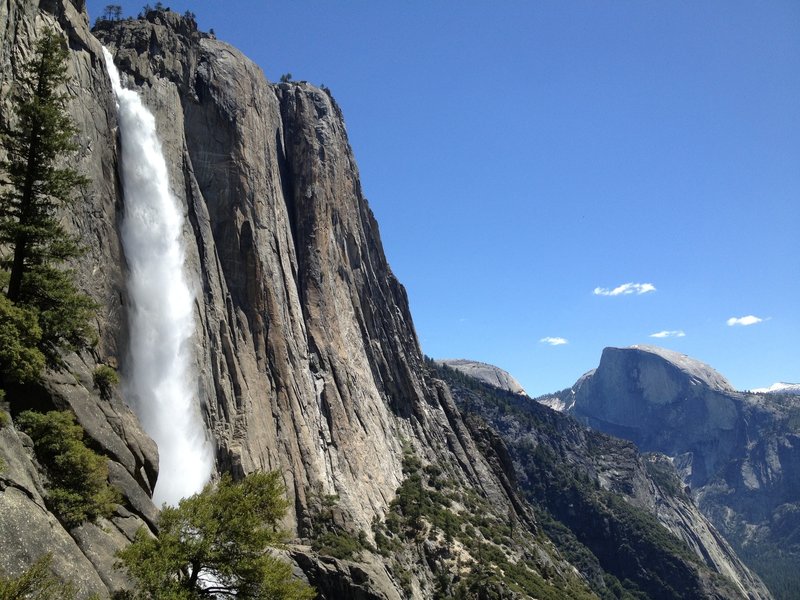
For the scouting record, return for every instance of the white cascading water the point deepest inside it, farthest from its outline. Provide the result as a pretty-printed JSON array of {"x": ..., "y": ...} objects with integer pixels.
[{"x": 158, "y": 380}]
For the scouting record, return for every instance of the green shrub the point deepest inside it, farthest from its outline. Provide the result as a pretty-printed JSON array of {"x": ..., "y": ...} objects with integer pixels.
[
  {"x": 664, "y": 475},
  {"x": 340, "y": 544},
  {"x": 331, "y": 539},
  {"x": 386, "y": 546},
  {"x": 4, "y": 418},
  {"x": 64, "y": 312},
  {"x": 78, "y": 489},
  {"x": 105, "y": 379}
]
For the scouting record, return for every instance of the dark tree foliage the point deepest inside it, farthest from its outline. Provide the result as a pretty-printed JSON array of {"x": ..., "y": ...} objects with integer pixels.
[
  {"x": 112, "y": 12},
  {"x": 329, "y": 538},
  {"x": 148, "y": 8},
  {"x": 37, "y": 184},
  {"x": 64, "y": 311},
  {"x": 20, "y": 335},
  {"x": 43, "y": 135},
  {"x": 105, "y": 379}
]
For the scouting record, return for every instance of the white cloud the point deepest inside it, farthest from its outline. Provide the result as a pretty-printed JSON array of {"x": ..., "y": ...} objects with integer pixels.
[
  {"x": 625, "y": 289},
  {"x": 554, "y": 341},
  {"x": 744, "y": 321},
  {"x": 668, "y": 334}
]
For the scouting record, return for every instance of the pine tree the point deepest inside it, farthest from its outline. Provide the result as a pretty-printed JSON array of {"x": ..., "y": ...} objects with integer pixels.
[
  {"x": 43, "y": 135},
  {"x": 38, "y": 143},
  {"x": 216, "y": 545},
  {"x": 112, "y": 12},
  {"x": 77, "y": 477}
]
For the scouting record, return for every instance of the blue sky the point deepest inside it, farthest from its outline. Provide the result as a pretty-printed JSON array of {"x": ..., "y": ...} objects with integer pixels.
[{"x": 519, "y": 155}]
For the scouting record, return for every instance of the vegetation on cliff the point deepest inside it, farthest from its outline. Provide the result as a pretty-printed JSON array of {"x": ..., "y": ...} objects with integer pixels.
[
  {"x": 21, "y": 360},
  {"x": 77, "y": 488},
  {"x": 475, "y": 552},
  {"x": 42, "y": 312},
  {"x": 105, "y": 379},
  {"x": 215, "y": 544}
]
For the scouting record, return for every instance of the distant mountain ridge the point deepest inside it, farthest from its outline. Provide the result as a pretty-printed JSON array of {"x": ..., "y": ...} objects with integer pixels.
[
  {"x": 779, "y": 388},
  {"x": 739, "y": 452},
  {"x": 609, "y": 509},
  {"x": 485, "y": 372}
]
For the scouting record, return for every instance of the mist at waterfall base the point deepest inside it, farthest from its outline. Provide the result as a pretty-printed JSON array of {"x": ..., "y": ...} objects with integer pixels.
[{"x": 157, "y": 376}]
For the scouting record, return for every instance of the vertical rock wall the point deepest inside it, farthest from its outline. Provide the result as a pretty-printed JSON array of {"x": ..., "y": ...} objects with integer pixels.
[{"x": 307, "y": 357}]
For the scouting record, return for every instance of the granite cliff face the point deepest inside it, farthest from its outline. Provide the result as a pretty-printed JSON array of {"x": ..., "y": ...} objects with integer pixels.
[
  {"x": 665, "y": 402},
  {"x": 739, "y": 452},
  {"x": 307, "y": 355},
  {"x": 305, "y": 351}
]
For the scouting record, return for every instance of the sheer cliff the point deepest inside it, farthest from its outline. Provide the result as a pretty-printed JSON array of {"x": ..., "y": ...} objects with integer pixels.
[
  {"x": 305, "y": 354},
  {"x": 307, "y": 357}
]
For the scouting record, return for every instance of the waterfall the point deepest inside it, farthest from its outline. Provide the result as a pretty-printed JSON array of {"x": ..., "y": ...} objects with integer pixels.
[{"x": 158, "y": 380}]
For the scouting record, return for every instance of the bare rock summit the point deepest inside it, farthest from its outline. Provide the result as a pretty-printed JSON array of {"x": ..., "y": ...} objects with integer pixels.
[{"x": 484, "y": 372}]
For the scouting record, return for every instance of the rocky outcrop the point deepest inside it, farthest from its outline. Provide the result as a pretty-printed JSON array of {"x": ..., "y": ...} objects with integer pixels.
[
  {"x": 487, "y": 373},
  {"x": 665, "y": 402},
  {"x": 27, "y": 528},
  {"x": 83, "y": 555},
  {"x": 739, "y": 452},
  {"x": 332, "y": 578}
]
